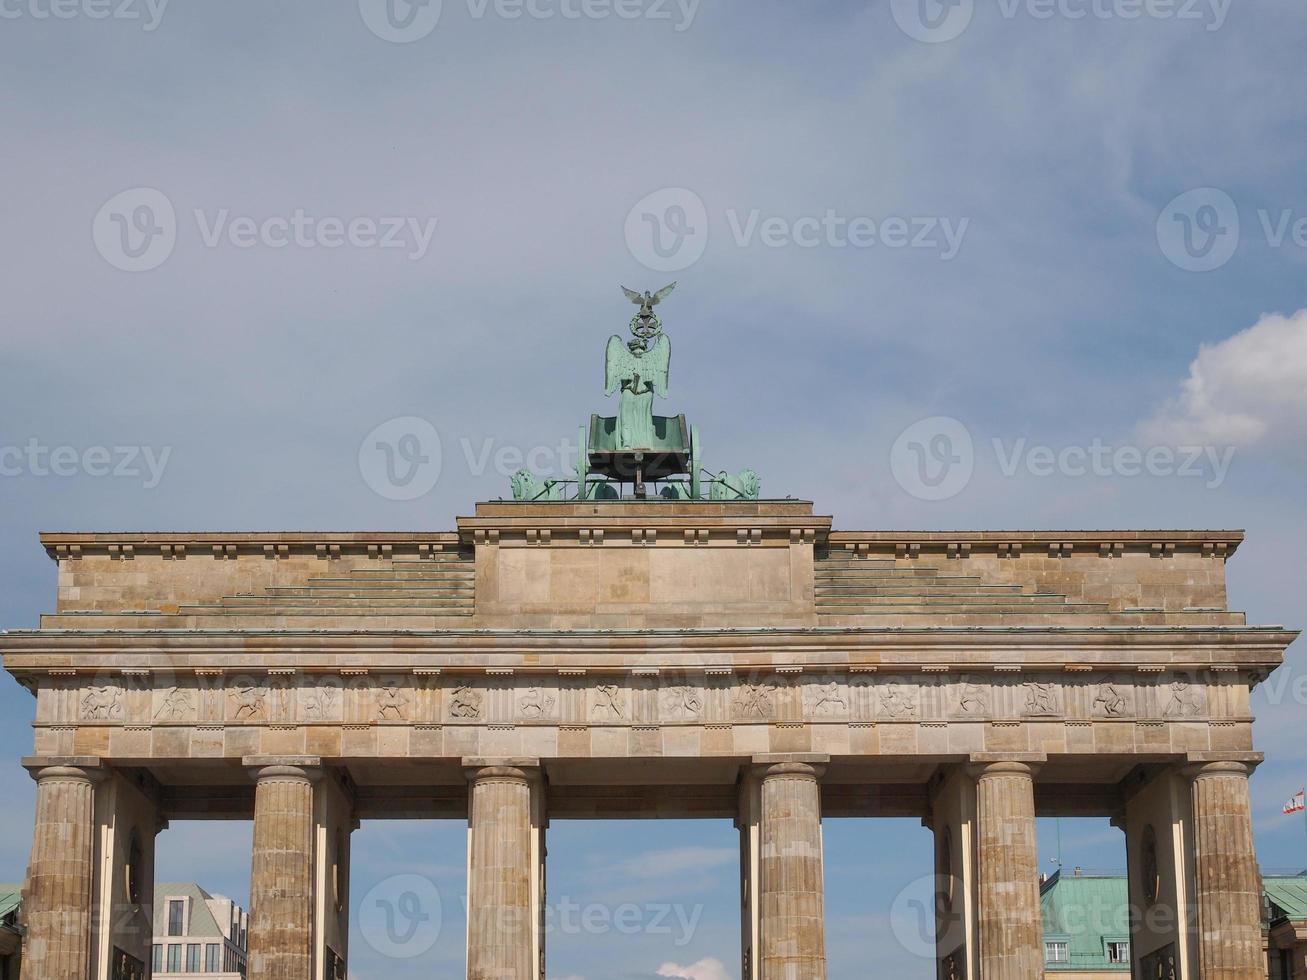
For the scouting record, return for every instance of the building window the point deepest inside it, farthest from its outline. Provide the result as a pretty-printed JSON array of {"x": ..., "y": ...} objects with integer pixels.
[
  {"x": 212, "y": 963},
  {"x": 174, "y": 958},
  {"x": 193, "y": 958},
  {"x": 1118, "y": 952},
  {"x": 176, "y": 916},
  {"x": 1056, "y": 952},
  {"x": 158, "y": 958}
]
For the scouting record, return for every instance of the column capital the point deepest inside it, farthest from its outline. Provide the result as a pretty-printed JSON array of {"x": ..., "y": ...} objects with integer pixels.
[
  {"x": 1218, "y": 767},
  {"x": 509, "y": 774},
  {"x": 522, "y": 769},
  {"x": 288, "y": 768},
  {"x": 771, "y": 764},
  {"x": 86, "y": 769},
  {"x": 793, "y": 770},
  {"x": 1221, "y": 763},
  {"x": 988, "y": 769}
]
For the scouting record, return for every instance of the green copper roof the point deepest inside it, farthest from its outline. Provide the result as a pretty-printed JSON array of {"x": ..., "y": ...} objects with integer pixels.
[
  {"x": 1086, "y": 912},
  {"x": 1287, "y": 895},
  {"x": 11, "y": 896}
]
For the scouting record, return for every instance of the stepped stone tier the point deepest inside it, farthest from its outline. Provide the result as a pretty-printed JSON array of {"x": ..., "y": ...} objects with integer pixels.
[{"x": 597, "y": 659}]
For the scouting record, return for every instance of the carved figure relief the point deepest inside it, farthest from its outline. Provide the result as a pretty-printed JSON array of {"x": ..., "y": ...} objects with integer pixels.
[
  {"x": 102, "y": 703},
  {"x": 320, "y": 702},
  {"x": 392, "y": 702},
  {"x": 1041, "y": 699},
  {"x": 608, "y": 701},
  {"x": 1151, "y": 870},
  {"x": 176, "y": 705},
  {"x": 211, "y": 699},
  {"x": 1185, "y": 701},
  {"x": 897, "y": 701},
  {"x": 682, "y": 701},
  {"x": 1160, "y": 965},
  {"x": 827, "y": 700},
  {"x": 1110, "y": 701},
  {"x": 465, "y": 702},
  {"x": 250, "y": 700},
  {"x": 972, "y": 699},
  {"x": 281, "y": 693},
  {"x": 533, "y": 704},
  {"x": 755, "y": 700}
]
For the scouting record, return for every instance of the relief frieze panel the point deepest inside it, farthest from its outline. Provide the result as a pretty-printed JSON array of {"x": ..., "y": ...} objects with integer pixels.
[{"x": 644, "y": 699}]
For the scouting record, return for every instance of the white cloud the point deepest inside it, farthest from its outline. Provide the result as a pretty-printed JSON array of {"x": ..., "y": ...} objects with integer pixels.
[
  {"x": 676, "y": 861},
  {"x": 706, "y": 969},
  {"x": 1248, "y": 389}
]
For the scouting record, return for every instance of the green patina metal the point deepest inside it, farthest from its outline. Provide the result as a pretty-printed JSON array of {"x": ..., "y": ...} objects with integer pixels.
[
  {"x": 1286, "y": 896},
  {"x": 1085, "y": 916},
  {"x": 635, "y": 447}
]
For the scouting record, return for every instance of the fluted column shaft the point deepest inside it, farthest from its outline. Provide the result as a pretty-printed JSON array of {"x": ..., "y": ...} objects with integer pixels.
[
  {"x": 1008, "y": 872},
  {"x": 500, "y": 926},
  {"x": 1228, "y": 884},
  {"x": 281, "y": 881},
  {"x": 61, "y": 875},
  {"x": 791, "y": 895}
]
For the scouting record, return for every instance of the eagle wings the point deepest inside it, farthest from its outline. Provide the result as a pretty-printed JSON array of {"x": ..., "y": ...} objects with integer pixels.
[{"x": 622, "y": 365}]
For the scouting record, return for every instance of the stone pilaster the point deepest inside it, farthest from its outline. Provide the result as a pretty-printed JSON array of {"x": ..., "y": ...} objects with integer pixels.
[
  {"x": 503, "y": 885},
  {"x": 61, "y": 874},
  {"x": 1227, "y": 887},
  {"x": 953, "y": 820},
  {"x": 281, "y": 883},
  {"x": 790, "y": 889},
  {"x": 1010, "y": 930}
]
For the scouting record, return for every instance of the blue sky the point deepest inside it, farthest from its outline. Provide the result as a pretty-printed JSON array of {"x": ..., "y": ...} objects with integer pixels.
[{"x": 1066, "y": 311}]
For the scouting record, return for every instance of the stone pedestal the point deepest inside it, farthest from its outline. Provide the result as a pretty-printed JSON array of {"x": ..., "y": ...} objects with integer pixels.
[
  {"x": 1007, "y": 858},
  {"x": 59, "y": 898},
  {"x": 504, "y": 886},
  {"x": 790, "y": 888},
  {"x": 281, "y": 883},
  {"x": 1227, "y": 887}
]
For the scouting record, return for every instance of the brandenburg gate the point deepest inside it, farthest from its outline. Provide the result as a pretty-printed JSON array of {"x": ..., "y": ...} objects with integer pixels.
[{"x": 584, "y": 652}]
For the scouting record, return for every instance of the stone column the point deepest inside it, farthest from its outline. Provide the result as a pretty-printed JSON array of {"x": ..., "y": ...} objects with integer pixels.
[
  {"x": 1008, "y": 872},
  {"x": 502, "y": 890},
  {"x": 1228, "y": 884},
  {"x": 791, "y": 902},
  {"x": 281, "y": 882},
  {"x": 61, "y": 874}
]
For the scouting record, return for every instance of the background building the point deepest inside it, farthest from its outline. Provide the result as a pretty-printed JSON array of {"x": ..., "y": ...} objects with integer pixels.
[
  {"x": 11, "y": 937},
  {"x": 195, "y": 932},
  {"x": 1086, "y": 925},
  {"x": 1286, "y": 917}
]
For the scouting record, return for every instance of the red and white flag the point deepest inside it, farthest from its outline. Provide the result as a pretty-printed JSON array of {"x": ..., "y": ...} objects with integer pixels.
[{"x": 1297, "y": 804}]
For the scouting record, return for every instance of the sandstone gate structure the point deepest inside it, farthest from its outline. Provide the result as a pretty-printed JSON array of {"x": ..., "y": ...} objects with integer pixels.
[{"x": 575, "y": 659}]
